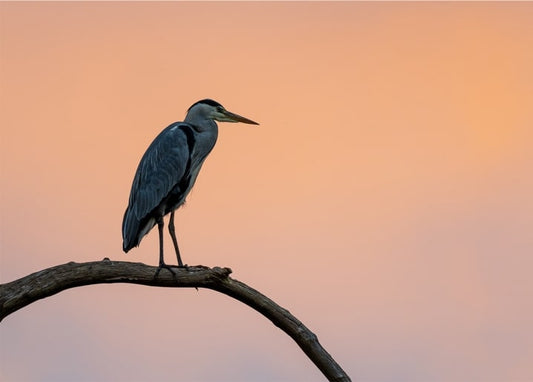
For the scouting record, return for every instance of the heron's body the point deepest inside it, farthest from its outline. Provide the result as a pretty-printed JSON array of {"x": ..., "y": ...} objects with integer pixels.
[{"x": 168, "y": 170}]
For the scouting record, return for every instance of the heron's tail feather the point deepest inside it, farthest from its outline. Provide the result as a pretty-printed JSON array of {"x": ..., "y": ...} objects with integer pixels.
[{"x": 133, "y": 230}]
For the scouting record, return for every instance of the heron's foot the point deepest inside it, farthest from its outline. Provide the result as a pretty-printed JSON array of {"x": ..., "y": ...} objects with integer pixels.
[{"x": 163, "y": 265}]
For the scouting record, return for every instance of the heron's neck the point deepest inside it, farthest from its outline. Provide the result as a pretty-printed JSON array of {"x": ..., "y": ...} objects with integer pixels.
[
  {"x": 206, "y": 135},
  {"x": 202, "y": 124}
]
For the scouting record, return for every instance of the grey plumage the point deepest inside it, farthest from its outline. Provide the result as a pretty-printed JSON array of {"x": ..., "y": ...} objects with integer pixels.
[{"x": 168, "y": 171}]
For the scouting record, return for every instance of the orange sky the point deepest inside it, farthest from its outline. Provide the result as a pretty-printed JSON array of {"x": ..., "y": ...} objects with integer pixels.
[{"x": 385, "y": 199}]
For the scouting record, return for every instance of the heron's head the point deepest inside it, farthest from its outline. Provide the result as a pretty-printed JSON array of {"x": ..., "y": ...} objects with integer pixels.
[{"x": 209, "y": 109}]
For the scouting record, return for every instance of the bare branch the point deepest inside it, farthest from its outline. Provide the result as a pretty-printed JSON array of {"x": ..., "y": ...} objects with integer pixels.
[{"x": 19, "y": 293}]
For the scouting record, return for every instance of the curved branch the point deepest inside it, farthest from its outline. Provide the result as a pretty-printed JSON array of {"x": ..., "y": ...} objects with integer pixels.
[{"x": 19, "y": 293}]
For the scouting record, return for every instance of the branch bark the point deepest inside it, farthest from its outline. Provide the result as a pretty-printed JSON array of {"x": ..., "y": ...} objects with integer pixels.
[{"x": 19, "y": 293}]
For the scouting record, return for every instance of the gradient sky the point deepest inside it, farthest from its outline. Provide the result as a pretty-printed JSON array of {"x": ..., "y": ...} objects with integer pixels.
[{"x": 385, "y": 199}]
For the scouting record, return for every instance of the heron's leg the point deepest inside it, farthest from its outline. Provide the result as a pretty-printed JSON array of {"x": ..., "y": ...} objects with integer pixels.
[
  {"x": 160, "y": 226},
  {"x": 172, "y": 232}
]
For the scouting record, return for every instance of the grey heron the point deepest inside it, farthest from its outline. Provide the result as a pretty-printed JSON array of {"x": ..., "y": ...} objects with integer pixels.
[{"x": 168, "y": 170}]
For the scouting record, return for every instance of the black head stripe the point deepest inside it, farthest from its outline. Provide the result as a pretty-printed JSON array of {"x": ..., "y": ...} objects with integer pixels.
[{"x": 207, "y": 101}]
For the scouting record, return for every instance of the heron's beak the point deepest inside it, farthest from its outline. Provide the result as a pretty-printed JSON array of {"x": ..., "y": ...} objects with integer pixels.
[{"x": 232, "y": 117}]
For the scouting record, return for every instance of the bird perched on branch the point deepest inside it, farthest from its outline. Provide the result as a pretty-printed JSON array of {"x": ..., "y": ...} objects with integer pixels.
[{"x": 168, "y": 170}]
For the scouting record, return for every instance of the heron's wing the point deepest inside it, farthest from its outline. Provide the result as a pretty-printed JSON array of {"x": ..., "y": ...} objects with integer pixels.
[{"x": 162, "y": 167}]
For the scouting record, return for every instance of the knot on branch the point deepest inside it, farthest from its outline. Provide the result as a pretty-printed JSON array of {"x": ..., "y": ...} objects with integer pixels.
[{"x": 220, "y": 273}]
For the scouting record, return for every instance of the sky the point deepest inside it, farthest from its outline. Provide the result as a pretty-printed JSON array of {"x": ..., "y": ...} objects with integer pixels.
[{"x": 385, "y": 198}]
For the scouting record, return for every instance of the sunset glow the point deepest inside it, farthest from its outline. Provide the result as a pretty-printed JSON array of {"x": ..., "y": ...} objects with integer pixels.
[{"x": 385, "y": 199}]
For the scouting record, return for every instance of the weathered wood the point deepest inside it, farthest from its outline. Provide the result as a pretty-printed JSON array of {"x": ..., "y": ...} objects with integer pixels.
[{"x": 22, "y": 292}]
